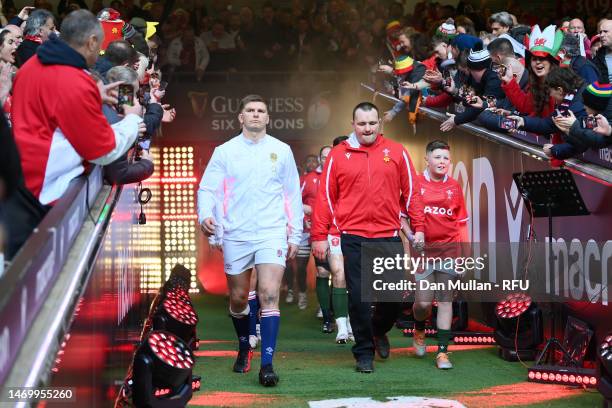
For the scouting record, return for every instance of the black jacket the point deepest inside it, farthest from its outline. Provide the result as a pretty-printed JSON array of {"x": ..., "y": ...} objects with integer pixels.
[
  {"x": 489, "y": 85},
  {"x": 10, "y": 165},
  {"x": 124, "y": 170},
  {"x": 26, "y": 50},
  {"x": 600, "y": 62},
  {"x": 579, "y": 139}
]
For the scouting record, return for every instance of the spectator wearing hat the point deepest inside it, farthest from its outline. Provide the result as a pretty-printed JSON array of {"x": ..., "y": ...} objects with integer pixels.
[
  {"x": 579, "y": 136},
  {"x": 465, "y": 42},
  {"x": 540, "y": 61},
  {"x": 447, "y": 29},
  {"x": 409, "y": 74},
  {"x": 483, "y": 80}
]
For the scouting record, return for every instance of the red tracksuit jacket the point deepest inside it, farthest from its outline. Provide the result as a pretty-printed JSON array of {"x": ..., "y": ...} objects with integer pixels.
[{"x": 361, "y": 188}]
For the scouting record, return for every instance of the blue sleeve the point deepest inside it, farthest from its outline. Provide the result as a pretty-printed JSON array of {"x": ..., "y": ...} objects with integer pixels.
[
  {"x": 468, "y": 115},
  {"x": 15, "y": 21},
  {"x": 588, "y": 73},
  {"x": 398, "y": 107},
  {"x": 491, "y": 121},
  {"x": 542, "y": 126},
  {"x": 565, "y": 151}
]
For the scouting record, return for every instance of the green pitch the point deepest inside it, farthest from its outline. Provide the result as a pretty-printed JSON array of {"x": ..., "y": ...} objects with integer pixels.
[{"x": 313, "y": 368}]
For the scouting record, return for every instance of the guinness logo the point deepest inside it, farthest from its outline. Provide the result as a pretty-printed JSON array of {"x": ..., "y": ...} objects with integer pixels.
[{"x": 199, "y": 102}]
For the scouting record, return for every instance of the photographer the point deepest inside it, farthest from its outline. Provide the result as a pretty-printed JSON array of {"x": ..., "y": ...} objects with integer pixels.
[
  {"x": 593, "y": 132},
  {"x": 135, "y": 165},
  {"x": 565, "y": 88},
  {"x": 504, "y": 61},
  {"x": 482, "y": 81}
]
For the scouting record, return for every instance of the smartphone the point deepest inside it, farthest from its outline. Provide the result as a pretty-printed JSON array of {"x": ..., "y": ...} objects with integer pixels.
[
  {"x": 590, "y": 122},
  {"x": 507, "y": 123},
  {"x": 126, "y": 95},
  {"x": 163, "y": 85},
  {"x": 491, "y": 101},
  {"x": 562, "y": 111},
  {"x": 499, "y": 69},
  {"x": 145, "y": 144}
]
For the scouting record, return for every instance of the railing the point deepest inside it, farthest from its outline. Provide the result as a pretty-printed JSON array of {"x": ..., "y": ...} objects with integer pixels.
[
  {"x": 532, "y": 148},
  {"x": 67, "y": 238}
]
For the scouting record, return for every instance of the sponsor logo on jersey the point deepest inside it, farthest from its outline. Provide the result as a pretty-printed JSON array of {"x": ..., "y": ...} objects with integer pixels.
[{"x": 438, "y": 210}]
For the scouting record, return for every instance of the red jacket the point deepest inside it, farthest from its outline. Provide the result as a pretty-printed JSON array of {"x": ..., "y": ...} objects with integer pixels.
[
  {"x": 523, "y": 102},
  {"x": 361, "y": 187},
  {"x": 309, "y": 184}
]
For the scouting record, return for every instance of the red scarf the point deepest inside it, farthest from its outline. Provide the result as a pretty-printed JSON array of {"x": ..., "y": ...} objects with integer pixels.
[{"x": 33, "y": 38}]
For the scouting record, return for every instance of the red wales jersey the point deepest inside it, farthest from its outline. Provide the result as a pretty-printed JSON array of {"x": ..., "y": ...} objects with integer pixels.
[
  {"x": 444, "y": 208},
  {"x": 310, "y": 185}
]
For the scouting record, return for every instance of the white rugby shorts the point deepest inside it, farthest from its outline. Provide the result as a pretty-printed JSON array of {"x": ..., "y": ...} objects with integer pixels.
[{"x": 238, "y": 256}]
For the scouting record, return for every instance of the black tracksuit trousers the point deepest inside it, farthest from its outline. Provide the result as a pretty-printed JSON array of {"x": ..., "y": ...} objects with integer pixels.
[{"x": 367, "y": 323}]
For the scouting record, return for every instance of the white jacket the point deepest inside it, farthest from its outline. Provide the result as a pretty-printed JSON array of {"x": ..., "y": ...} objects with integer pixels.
[{"x": 257, "y": 185}]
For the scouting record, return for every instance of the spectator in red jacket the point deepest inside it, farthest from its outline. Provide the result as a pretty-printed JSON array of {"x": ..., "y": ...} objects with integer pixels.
[
  {"x": 58, "y": 123},
  {"x": 364, "y": 180}
]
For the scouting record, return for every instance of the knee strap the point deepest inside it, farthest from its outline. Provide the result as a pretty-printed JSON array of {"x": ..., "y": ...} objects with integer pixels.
[{"x": 242, "y": 314}]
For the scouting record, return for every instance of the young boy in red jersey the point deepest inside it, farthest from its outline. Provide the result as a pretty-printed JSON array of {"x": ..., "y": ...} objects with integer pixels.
[{"x": 445, "y": 224}]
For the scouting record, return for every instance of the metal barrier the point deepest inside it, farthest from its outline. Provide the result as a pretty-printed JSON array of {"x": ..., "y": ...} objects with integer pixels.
[
  {"x": 67, "y": 238},
  {"x": 522, "y": 144}
]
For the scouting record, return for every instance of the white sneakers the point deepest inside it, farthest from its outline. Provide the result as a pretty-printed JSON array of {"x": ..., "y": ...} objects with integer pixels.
[
  {"x": 289, "y": 298},
  {"x": 342, "y": 337},
  {"x": 302, "y": 301}
]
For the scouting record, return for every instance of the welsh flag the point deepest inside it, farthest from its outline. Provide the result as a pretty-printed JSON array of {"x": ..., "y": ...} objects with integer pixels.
[{"x": 112, "y": 32}]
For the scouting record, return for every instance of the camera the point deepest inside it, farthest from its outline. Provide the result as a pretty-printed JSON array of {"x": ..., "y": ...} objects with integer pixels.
[
  {"x": 590, "y": 122},
  {"x": 507, "y": 123}
]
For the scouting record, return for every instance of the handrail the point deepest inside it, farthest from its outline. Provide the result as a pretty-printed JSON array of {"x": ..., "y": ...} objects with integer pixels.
[
  {"x": 53, "y": 321},
  {"x": 589, "y": 169},
  {"x": 34, "y": 270}
]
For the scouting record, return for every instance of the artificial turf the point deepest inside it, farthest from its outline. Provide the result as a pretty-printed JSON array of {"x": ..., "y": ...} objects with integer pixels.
[{"x": 313, "y": 368}]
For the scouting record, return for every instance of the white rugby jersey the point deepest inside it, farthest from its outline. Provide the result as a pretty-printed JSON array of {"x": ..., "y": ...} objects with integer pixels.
[{"x": 258, "y": 188}]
